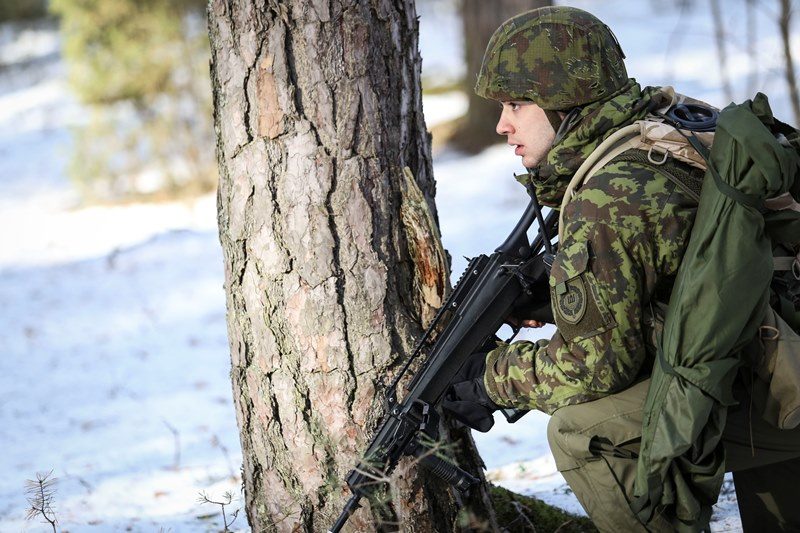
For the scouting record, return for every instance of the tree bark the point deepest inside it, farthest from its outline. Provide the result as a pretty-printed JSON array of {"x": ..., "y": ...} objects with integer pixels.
[
  {"x": 333, "y": 262},
  {"x": 480, "y": 19}
]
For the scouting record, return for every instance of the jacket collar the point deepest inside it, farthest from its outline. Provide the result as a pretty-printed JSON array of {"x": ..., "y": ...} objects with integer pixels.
[{"x": 582, "y": 132}]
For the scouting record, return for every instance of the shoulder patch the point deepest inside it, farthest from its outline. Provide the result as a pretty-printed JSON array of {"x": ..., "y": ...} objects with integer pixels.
[{"x": 571, "y": 300}]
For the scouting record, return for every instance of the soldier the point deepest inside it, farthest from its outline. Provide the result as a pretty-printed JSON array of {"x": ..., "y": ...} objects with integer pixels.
[{"x": 559, "y": 75}]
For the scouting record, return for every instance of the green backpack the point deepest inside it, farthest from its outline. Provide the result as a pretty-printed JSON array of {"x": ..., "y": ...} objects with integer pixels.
[
  {"x": 720, "y": 314},
  {"x": 735, "y": 301}
]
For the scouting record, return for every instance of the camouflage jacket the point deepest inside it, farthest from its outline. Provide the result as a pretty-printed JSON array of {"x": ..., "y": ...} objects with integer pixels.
[{"x": 625, "y": 233}]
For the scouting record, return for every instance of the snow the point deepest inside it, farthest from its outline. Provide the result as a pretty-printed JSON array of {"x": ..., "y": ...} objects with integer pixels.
[
  {"x": 115, "y": 352},
  {"x": 440, "y": 108},
  {"x": 441, "y": 42},
  {"x": 113, "y": 330}
]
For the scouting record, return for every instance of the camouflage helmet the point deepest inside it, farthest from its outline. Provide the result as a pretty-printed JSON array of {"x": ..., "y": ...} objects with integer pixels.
[{"x": 557, "y": 57}]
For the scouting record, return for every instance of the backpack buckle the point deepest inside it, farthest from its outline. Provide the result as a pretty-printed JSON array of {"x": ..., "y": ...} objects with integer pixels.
[{"x": 664, "y": 156}]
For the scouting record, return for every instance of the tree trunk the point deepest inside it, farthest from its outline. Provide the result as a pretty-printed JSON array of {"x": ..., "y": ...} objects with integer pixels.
[
  {"x": 479, "y": 19},
  {"x": 784, "y": 23},
  {"x": 333, "y": 263},
  {"x": 722, "y": 52}
]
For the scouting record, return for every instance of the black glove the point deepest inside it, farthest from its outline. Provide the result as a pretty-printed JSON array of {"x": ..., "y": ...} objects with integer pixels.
[
  {"x": 536, "y": 305},
  {"x": 467, "y": 400}
]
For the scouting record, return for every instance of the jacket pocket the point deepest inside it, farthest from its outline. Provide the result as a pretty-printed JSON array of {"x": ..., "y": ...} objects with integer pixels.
[
  {"x": 777, "y": 389},
  {"x": 578, "y": 305}
]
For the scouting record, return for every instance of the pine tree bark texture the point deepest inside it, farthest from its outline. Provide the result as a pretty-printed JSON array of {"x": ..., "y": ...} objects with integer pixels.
[
  {"x": 333, "y": 262},
  {"x": 480, "y": 18}
]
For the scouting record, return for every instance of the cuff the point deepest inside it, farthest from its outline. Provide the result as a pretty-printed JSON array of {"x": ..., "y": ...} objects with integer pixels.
[{"x": 489, "y": 381}]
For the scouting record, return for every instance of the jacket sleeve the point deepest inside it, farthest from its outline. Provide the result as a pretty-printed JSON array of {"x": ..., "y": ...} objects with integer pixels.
[{"x": 616, "y": 248}]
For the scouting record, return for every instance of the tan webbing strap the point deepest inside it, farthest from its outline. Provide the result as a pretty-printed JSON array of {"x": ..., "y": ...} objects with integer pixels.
[
  {"x": 633, "y": 142},
  {"x": 782, "y": 202},
  {"x": 651, "y": 135},
  {"x": 687, "y": 180},
  {"x": 669, "y": 98},
  {"x": 618, "y": 136},
  {"x": 787, "y": 263},
  {"x": 783, "y": 263}
]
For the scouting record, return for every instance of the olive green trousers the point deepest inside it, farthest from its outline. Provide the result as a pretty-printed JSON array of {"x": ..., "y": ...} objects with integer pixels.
[{"x": 596, "y": 445}]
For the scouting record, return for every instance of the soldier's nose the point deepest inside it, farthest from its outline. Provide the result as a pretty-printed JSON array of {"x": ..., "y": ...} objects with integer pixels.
[{"x": 503, "y": 127}]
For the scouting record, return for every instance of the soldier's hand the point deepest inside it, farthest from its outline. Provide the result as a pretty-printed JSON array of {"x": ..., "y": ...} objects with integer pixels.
[
  {"x": 466, "y": 398},
  {"x": 532, "y": 308},
  {"x": 524, "y": 322}
]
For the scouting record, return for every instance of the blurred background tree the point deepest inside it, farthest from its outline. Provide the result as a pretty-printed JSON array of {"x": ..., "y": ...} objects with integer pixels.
[
  {"x": 22, "y": 9},
  {"x": 142, "y": 69},
  {"x": 479, "y": 19},
  {"x": 729, "y": 36},
  {"x": 141, "y": 66}
]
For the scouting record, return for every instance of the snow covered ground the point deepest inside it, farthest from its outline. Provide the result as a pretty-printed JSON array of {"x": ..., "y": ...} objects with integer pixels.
[{"x": 114, "y": 367}]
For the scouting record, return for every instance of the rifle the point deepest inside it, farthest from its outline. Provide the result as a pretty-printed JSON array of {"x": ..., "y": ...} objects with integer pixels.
[{"x": 477, "y": 306}]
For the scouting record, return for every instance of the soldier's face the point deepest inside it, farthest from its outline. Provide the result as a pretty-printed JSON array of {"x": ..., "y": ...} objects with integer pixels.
[{"x": 527, "y": 128}]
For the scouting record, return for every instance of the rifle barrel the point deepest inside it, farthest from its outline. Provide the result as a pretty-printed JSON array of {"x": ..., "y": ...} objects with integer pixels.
[{"x": 349, "y": 508}]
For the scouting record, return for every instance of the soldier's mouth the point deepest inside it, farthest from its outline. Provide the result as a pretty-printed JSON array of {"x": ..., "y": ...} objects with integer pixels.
[{"x": 519, "y": 149}]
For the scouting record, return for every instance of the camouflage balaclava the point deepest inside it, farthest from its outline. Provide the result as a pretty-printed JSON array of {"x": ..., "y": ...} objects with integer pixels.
[{"x": 556, "y": 57}]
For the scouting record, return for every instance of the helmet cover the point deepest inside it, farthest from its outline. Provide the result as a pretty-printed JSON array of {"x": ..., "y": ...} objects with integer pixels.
[{"x": 557, "y": 57}]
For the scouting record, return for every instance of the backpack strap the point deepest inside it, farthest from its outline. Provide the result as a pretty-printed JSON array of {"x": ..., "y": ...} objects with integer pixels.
[
  {"x": 687, "y": 178},
  {"x": 782, "y": 202},
  {"x": 724, "y": 187},
  {"x": 783, "y": 262},
  {"x": 621, "y": 136},
  {"x": 787, "y": 263},
  {"x": 612, "y": 153},
  {"x": 654, "y": 152}
]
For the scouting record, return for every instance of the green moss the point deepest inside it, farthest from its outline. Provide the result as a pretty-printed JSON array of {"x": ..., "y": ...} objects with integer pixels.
[{"x": 518, "y": 513}]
